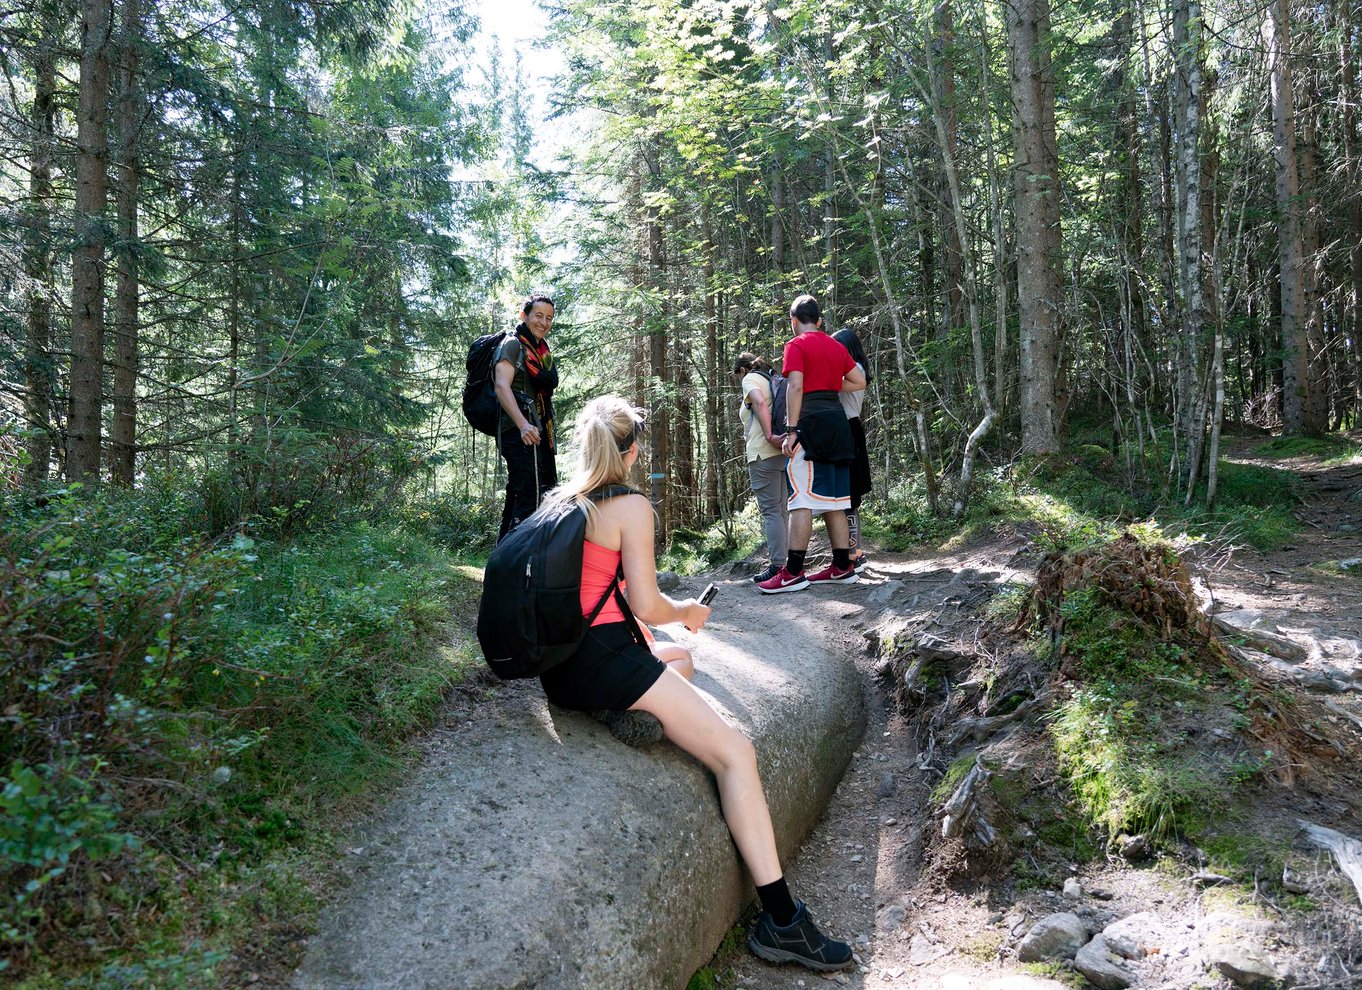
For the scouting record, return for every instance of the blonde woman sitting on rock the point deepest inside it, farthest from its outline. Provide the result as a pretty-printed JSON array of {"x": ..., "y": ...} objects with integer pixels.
[{"x": 616, "y": 675}]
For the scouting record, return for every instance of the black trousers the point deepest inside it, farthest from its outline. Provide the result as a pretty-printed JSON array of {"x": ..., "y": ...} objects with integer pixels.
[{"x": 523, "y": 495}]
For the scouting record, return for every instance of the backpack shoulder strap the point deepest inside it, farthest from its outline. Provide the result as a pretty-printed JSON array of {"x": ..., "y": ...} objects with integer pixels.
[{"x": 611, "y": 491}]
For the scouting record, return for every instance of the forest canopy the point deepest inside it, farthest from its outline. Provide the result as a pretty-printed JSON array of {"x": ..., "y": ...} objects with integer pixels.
[{"x": 244, "y": 250}]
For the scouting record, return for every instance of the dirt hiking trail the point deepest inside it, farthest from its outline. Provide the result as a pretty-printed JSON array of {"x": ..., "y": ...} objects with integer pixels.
[{"x": 875, "y": 870}]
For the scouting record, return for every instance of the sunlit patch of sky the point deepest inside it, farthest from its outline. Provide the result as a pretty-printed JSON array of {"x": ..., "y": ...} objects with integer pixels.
[{"x": 520, "y": 27}]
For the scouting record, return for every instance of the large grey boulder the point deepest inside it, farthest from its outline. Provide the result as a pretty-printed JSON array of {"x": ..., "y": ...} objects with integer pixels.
[
  {"x": 534, "y": 850},
  {"x": 1056, "y": 936}
]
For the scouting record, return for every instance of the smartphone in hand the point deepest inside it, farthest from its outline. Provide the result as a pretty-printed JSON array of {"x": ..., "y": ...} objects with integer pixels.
[{"x": 708, "y": 594}]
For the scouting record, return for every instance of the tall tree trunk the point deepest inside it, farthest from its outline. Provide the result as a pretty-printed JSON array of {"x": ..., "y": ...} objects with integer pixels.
[
  {"x": 1001, "y": 375},
  {"x": 713, "y": 375},
  {"x": 1290, "y": 254},
  {"x": 234, "y": 315},
  {"x": 1161, "y": 197},
  {"x": 777, "y": 223},
  {"x": 1187, "y": 96},
  {"x": 1348, "y": 121},
  {"x": 85, "y": 404},
  {"x": 129, "y": 115},
  {"x": 684, "y": 492},
  {"x": 1036, "y": 190},
  {"x": 1130, "y": 225},
  {"x": 1312, "y": 257},
  {"x": 38, "y": 363},
  {"x": 830, "y": 165},
  {"x": 944, "y": 130},
  {"x": 659, "y": 419},
  {"x": 953, "y": 265}
]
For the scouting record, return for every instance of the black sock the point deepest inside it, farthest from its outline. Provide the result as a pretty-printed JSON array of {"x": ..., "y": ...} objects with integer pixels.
[
  {"x": 841, "y": 559},
  {"x": 777, "y": 902},
  {"x": 794, "y": 561}
]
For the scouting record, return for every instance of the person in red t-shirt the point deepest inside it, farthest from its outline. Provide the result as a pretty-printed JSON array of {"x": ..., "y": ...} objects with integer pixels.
[{"x": 820, "y": 446}]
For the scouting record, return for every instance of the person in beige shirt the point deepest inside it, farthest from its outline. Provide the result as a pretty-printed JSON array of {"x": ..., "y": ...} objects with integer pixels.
[{"x": 765, "y": 461}]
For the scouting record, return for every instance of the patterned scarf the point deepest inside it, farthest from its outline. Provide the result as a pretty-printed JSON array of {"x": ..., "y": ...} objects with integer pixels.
[{"x": 543, "y": 375}]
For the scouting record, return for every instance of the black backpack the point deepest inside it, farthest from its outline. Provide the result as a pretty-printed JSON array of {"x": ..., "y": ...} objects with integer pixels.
[
  {"x": 480, "y": 405},
  {"x": 778, "y": 388},
  {"x": 530, "y": 618}
]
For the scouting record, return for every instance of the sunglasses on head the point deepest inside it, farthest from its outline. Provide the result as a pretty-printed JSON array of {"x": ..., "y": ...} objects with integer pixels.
[{"x": 632, "y": 438}]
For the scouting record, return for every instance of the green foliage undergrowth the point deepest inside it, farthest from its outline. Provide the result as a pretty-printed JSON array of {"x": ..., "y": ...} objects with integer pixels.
[
  {"x": 182, "y": 711},
  {"x": 1145, "y": 732},
  {"x": 1332, "y": 447}
]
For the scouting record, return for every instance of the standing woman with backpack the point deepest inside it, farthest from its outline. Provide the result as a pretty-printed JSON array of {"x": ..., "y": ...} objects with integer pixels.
[
  {"x": 614, "y": 670},
  {"x": 524, "y": 377},
  {"x": 765, "y": 461},
  {"x": 860, "y": 466}
]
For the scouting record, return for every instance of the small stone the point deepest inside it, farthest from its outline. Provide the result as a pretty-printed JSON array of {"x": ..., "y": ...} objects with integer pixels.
[
  {"x": 886, "y": 788},
  {"x": 1292, "y": 882},
  {"x": 1073, "y": 890},
  {"x": 221, "y": 775},
  {"x": 921, "y": 951},
  {"x": 1102, "y": 967},
  {"x": 1133, "y": 847},
  {"x": 891, "y": 918},
  {"x": 857, "y": 858},
  {"x": 668, "y": 581},
  {"x": 1056, "y": 936}
]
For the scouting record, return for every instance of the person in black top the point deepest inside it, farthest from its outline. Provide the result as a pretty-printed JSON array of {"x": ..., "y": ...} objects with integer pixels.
[{"x": 525, "y": 377}]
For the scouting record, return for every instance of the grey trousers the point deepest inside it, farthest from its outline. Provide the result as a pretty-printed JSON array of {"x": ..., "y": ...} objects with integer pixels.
[{"x": 767, "y": 478}]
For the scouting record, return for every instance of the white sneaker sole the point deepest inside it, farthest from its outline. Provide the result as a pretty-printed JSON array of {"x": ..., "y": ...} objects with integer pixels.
[{"x": 851, "y": 578}]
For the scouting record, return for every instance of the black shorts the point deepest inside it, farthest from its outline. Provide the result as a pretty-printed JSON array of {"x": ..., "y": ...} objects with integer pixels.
[{"x": 610, "y": 671}]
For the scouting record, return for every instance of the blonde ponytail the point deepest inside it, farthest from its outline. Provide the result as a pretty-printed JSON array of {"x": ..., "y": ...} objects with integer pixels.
[{"x": 602, "y": 427}]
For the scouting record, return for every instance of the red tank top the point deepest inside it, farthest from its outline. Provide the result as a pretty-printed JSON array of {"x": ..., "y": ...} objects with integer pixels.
[{"x": 599, "y": 567}]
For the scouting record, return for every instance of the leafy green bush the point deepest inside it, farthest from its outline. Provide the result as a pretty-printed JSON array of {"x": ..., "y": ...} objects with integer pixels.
[
  {"x": 460, "y": 525},
  {"x": 53, "y": 817},
  {"x": 175, "y": 699}
]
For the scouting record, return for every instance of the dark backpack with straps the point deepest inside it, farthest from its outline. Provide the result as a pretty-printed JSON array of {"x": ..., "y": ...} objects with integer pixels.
[
  {"x": 530, "y": 618},
  {"x": 480, "y": 405},
  {"x": 779, "y": 384}
]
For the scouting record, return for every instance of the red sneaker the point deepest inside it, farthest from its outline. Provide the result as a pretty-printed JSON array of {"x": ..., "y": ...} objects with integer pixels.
[
  {"x": 782, "y": 582},
  {"x": 831, "y": 575}
]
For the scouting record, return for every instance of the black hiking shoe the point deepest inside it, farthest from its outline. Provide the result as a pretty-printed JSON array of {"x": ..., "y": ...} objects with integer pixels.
[
  {"x": 799, "y": 942},
  {"x": 765, "y": 575},
  {"x": 633, "y": 728}
]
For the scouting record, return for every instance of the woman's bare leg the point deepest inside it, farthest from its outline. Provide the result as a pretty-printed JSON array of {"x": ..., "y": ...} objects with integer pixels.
[
  {"x": 692, "y": 724},
  {"x": 675, "y": 656}
]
